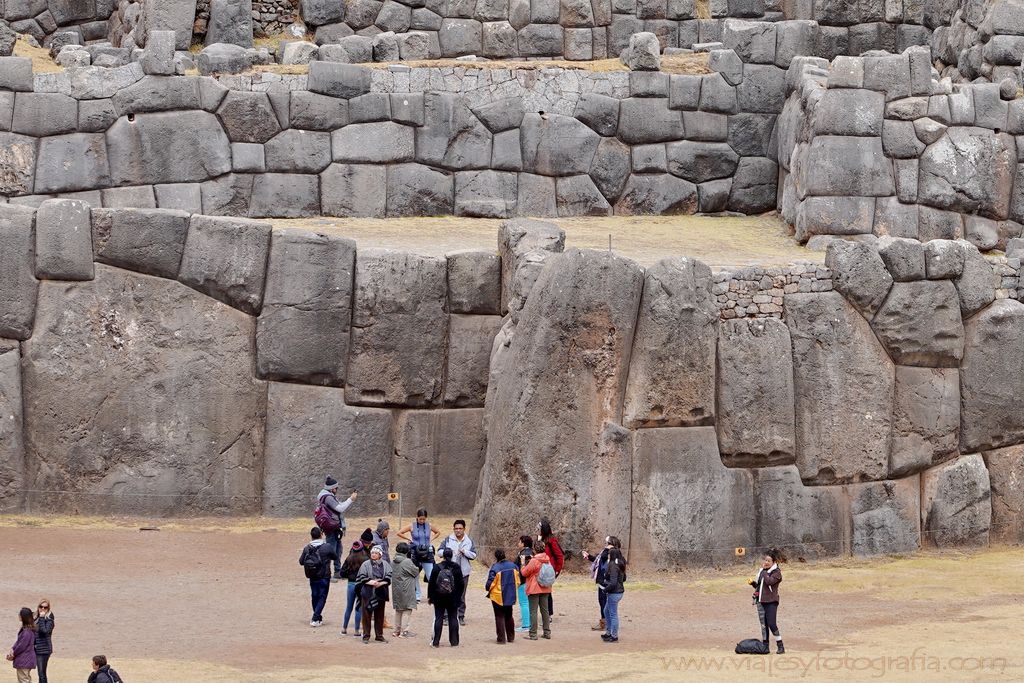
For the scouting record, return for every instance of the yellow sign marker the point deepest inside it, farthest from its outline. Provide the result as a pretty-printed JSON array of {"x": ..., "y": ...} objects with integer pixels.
[
  {"x": 740, "y": 552},
  {"x": 392, "y": 496}
]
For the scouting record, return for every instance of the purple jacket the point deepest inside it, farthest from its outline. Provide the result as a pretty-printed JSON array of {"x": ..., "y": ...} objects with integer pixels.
[{"x": 25, "y": 649}]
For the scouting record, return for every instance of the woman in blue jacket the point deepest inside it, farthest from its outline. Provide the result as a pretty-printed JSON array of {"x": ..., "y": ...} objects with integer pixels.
[{"x": 502, "y": 587}]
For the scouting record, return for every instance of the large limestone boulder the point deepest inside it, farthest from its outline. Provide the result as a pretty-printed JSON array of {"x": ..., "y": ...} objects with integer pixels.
[
  {"x": 804, "y": 521},
  {"x": 167, "y": 147},
  {"x": 470, "y": 339},
  {"x": 140, "y": 390},
  {"x": 400, "y": 324},
  {"x": 17, "y": 163},
  {"x": 303, "y": 330},
  {"x": 1006, "y": 481},
  {"x": 177, "y": 16},
  {"x": 992, "y": 378},
  {"x": 226, "y": 258},
  {"x": 859, "y": 273},
  {"x": 886, "y": 518},
  {"x": 18, "y": 284},
  {"x": 519, "y": 237},
  {"x": 919, "y": 324},
  {"x": 230, "y": 22},
  {"x": 925, "y": 419},
  {"x": 755, "y": 418},
  {"x": 956, "y": 504},
  {"x": 843, "y": 382},
  {"x": 12, "y": 445},
  {"x": 554, "y": 444},
  {"x": 438, "y": 458},
  {"x": 672, "y": 366},
  {"x": 969, "y": 170},
  {"x": 312, "y": 433},
  {"x": 688, "y": 507}
]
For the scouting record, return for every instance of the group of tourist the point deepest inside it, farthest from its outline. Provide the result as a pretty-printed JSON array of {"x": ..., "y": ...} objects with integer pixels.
[
  {"x": 376, "y": 577},
  {"x": 34, "y": 645}
]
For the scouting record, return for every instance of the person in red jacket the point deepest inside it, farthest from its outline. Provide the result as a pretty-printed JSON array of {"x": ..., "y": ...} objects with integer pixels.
[{"x": 554, "y": 551}]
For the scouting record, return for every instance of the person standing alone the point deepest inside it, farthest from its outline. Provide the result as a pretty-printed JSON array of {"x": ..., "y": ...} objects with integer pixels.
[
  {"x": 329, "y": 515},
  {"x": 766, "y": 597},
  {"x": 463, "y": 552}
]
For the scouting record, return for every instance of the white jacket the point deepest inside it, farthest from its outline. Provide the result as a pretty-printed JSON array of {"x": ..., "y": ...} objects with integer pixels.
[{"x": 462, "y": 551}]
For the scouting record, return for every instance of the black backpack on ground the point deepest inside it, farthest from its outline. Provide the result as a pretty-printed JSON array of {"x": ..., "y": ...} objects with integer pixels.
[
  {"x": 752, "y": 646},
  {"x": 313, "y": 564}
]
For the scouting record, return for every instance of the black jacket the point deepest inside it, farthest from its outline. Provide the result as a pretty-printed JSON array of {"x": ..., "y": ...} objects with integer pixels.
[
  {"x": 614, "y": 577},
  {"x": 458, "y": 585},
  {"x": 104, "y": 675},
  {"x": 355, "y": 559},
  {"x": 326, "y": 554},
  {"x": 44, "y": 627}
]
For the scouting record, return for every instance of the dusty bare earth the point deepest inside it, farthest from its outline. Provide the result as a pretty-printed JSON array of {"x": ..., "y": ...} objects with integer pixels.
[
  {"x": 215, "y": 601},
  {"x": 720, "y": 241}
]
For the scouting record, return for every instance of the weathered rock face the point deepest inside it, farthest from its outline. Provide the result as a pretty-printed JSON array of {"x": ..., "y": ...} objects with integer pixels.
[
  {"x": 672, "y": 366},
  {"x": 805, "y": 521},
  {"x": 470, "y": 338},
  {"x": 226, "y": 258},
  {"x": 755, "y": 393},
  {"x": 312, "y": 433},
  {"x": 969, "y": 170},
  {"x": 1006, "y": 480},
  {"x": 859, "y": 273},
  {"x": 919, "y": 324},
  {"x": 926, "y": 418},
  {"x": 167, "y": 147},
  {"x": 165, "y": 408},
  {"x": 400, "y": 324},
  {"x": 885, "y": 516},
  {"x": 554, "y": 444},
  {"x": 12, "y": 444},
  {"x": 303, "y": 330},
  {"x": 956, "y": 505},
  {"x": 230, "y": 22},
  {"x": 18, "y": 283},
  {"x": 517, "y": 238},
  {"x": 843, "y": 383},
  {"x": 688, "y": 507},
  {"x": 431, "y": 446},
  {"x": 992, "y": 378}
]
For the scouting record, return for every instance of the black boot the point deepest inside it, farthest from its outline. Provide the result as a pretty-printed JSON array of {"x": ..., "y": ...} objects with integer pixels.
[
  {"x": 780, "y": 648},
  {"x": 767, "y": 648}
]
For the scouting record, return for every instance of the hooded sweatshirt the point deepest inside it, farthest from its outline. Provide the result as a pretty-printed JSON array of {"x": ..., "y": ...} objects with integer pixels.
[{"x": 531, "y": 572}]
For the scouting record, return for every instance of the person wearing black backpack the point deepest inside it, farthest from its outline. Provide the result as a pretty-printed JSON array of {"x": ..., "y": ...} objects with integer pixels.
[
  {"x": 316, "y": 563},
  {"x": 444, "y": 592}
]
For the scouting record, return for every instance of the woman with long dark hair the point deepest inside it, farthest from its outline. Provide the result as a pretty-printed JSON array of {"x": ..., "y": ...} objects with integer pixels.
[
  {"x": 23, "y": 652},
  {"x": 614, "y": 588},
  {"x": 766, "y": 597}
]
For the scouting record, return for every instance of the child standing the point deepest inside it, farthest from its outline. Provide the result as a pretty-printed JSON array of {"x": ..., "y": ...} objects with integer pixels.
[{"x": 538, "y": 591}]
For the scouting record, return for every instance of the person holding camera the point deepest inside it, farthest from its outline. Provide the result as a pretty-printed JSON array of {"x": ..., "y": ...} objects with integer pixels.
[
  {"x": 329, "y": 515},
  {"x": 44, "y": 644},
  {"x": 598, "y": 570},
  {"x": 766, "y": 598},
  {"x": 421, "y": 534}
]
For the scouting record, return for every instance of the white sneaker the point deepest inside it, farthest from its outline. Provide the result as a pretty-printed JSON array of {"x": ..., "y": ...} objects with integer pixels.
[
  {"x": 313, "y": 623},
  {"x": 316, "y": 624}
]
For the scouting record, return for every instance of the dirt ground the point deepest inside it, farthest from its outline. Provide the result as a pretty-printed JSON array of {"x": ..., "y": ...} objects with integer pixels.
[
  {"x": 221, "y": 601},
  {"x": 720, "y": 241}
]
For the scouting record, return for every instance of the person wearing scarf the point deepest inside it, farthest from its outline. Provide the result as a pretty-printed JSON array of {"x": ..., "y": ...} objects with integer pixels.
[
  {"x": 766, "y": 597},
  {"x": 373, "y": 580}
]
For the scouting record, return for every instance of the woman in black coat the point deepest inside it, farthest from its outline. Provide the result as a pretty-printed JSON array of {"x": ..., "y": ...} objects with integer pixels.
[{"x": 44, "y": 646}]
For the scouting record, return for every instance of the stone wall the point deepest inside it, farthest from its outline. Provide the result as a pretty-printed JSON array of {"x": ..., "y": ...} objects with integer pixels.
[
  {"x": 877, "y": 146},
  {"x": 161, "y": 362},
  {"x": 466, "y": 141},
  {"x": 876, "y": 412},
  {"x": 183, "y": 364},
  {"x": 42, "y": 18}
]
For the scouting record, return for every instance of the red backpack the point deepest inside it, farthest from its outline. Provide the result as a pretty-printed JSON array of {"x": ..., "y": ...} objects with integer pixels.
[{"x": 325, "y": 517}]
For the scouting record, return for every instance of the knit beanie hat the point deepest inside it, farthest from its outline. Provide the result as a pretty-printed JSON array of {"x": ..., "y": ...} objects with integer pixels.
[
  {"x": 382, "y": 526},
  {"x": 331, "y": 482},
  {"x": 357, "y": 546},
  {"x": 366, "y": 537}
]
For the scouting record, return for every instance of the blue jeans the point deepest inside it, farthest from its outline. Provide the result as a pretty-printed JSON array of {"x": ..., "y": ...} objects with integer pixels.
[
  {"x": 611, "y": 614},
  {"x": 524, "y": 608},
  {"x": 333, "y": 540},
  {"x": 352, "y": 602},
  {"x": 318, "y": 590},
  {"x": 427, "y": 570}
]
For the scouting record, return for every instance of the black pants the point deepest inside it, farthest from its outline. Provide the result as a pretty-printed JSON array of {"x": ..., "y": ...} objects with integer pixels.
[
  {"x": 451, "y": 612},
  {"x": 375, "y": 615},
  {"x": 504, "y": 624},
  {"x": 771, "y": 609},
  {"x": 551, "y": 605},
  {"x": 602, "y": 600},
  {"x": 41, "y": 661}
]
